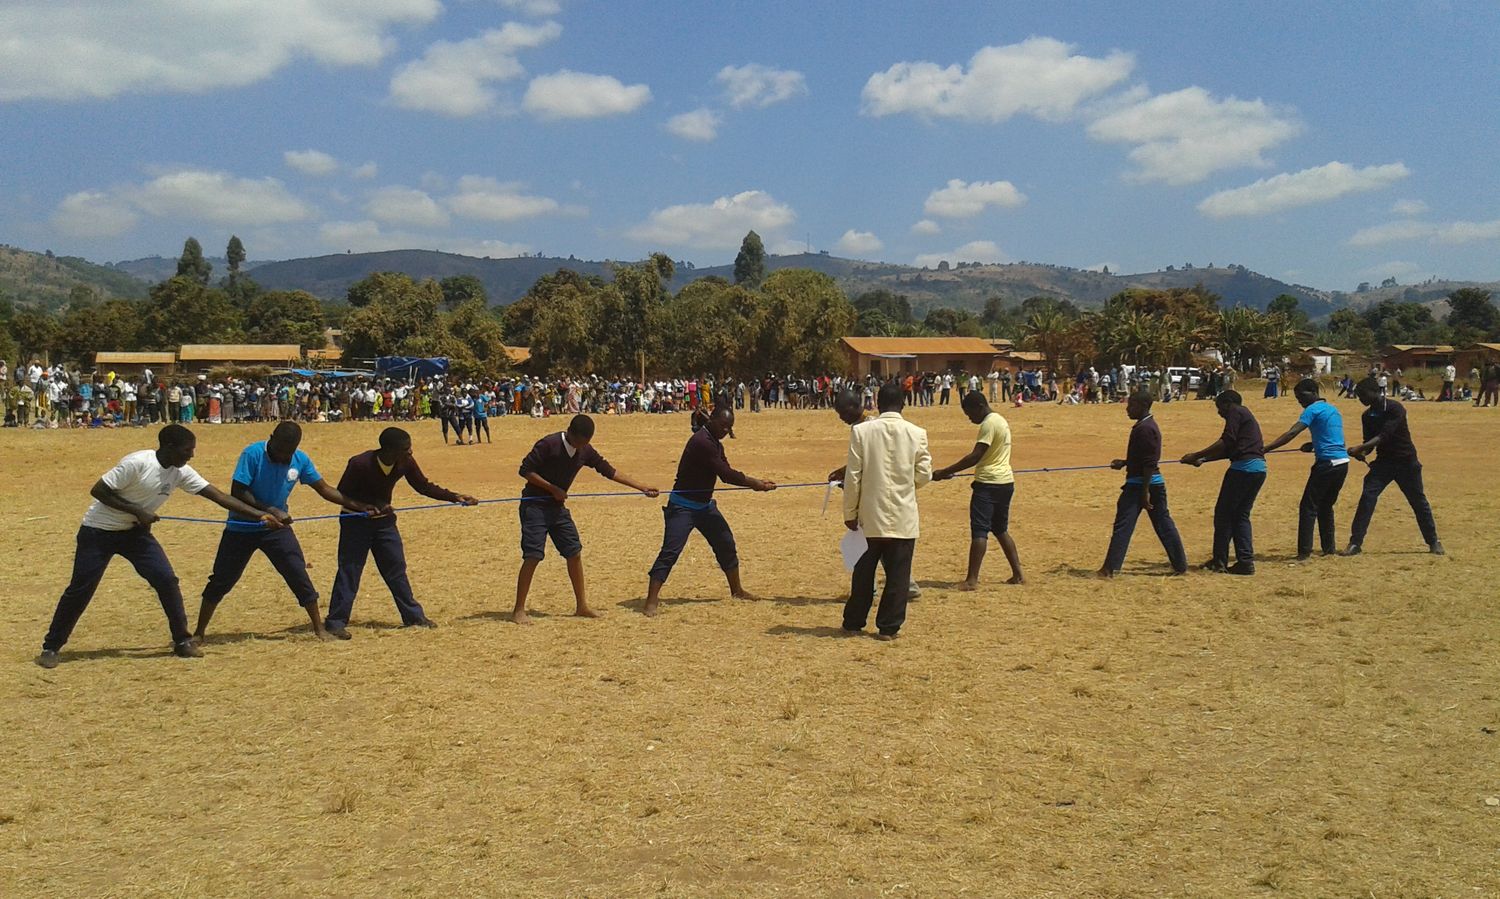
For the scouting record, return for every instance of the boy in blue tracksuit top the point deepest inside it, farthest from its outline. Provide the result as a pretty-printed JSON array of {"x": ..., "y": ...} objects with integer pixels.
[{"x": 1330, "y": 467}]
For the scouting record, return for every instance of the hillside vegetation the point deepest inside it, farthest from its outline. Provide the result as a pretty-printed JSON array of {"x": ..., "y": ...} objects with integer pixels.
[{"x": 39, "y": 279}]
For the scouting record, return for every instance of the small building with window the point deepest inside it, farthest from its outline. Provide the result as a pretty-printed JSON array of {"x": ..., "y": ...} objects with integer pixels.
[
  {"x": 886, "y": 357},
  {"x": 132, "y": 364}
]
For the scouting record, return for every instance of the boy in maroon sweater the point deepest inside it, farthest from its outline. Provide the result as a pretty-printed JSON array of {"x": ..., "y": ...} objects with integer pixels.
[
  {"x": 549, "y": 470},
  {"x": 369, "y": 478}
]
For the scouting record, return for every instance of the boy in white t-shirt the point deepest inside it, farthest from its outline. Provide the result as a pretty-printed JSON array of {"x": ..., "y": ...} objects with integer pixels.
[{"x": 119, "y": 524}]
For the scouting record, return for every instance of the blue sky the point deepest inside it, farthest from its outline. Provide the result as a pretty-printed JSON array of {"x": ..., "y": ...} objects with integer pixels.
[{"x": 1324, "y": 144}]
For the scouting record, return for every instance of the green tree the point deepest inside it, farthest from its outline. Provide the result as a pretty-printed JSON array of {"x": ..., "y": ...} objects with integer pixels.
[
  {"x": 1472, "y": 313},
  {"x": 185, "y": 310},
  {"x": 750, "y": 263},
  {"x": 292, "y": 316},
  {"x": 460, "y": 289},
  {"x": 632, "y": 306},
  {"x": 1290, "y": 307},
  {"x": 951, "y": 322},
  {"x": 713, "y": 327},
  {"x": 235, "y": 255},
  {"x": 806, "y": 315},
  {"x": 895, "y": 306},
  {"x": 1348, "y": 330},
  {"x": 377, "y": 286},
  {"x": 563, "y": 330},
  {"x": 475, "y": 329},
  {"x": 110, "y": 326},
  {"x": 1046, "y": 332},
  {"x": 35, "y": 333},
  {"x": 397, "y": 317},
  {"x": 191, "y": 263}
]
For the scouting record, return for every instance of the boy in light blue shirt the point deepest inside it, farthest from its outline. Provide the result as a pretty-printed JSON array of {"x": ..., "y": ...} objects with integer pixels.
[{"x": 1330, "y": 467}]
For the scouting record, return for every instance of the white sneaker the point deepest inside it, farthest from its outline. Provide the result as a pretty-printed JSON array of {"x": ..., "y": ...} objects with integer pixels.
[{"x": 913, "y": 591}]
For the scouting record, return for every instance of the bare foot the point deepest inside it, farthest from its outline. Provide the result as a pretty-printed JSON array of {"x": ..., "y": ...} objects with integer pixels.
[
  {"x": 1104, "y": 574},
  {"x": 520, "y": 617},
  {"x": 966, "y": 586},
  {"x": 744, "y": 594},
  {"x": 585, "y": 612},
  {"x": 1017, "y": 579},
  {"x": 324, "y": 635},
  {"x": 651, "y": 610},
  {"x": 199, "y": 639}
]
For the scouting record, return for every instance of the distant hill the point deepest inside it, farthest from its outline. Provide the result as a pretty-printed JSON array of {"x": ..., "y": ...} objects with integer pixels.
[
  {"x": 43, "y": 280},
  {"x": 35, "y": 277}
]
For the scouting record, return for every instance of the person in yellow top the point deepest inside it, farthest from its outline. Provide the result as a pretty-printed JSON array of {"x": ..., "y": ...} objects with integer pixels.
[{"x": 994, "y": 486}]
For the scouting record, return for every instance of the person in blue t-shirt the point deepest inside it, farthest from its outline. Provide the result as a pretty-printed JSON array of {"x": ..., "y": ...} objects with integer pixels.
[
  {"x": 1330, "y": 467},
  {"x": 263, "y": 480},
  {"x": 481, "y": 415}
]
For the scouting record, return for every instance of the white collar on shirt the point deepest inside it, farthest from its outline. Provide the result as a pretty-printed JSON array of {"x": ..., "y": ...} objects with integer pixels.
[{"x": 569, "y": 448}]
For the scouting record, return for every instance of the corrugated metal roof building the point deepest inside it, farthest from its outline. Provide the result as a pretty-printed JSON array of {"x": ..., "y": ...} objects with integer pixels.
[{"x": 888, "y": 356}]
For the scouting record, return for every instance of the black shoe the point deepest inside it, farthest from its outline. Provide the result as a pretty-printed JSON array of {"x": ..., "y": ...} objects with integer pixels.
[
  {"x": 422, "y": 622},
  {"x": 48, "y": 659},
  {"x": 1214, "y": 565},
  {"x": 338, "y": 630},
  {"x": 1351, "y": 550},
  {"x": 1436, "y": 547},
  {"x": 186, "y": 649},
  {"x": 1303, "y": 557},
  {"x": 885, "y": 638},
  {"x": 1242, "y": 568}
]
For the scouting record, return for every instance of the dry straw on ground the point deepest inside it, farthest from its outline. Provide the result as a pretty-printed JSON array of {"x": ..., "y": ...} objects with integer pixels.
[{"x": 1317, "y": 730}]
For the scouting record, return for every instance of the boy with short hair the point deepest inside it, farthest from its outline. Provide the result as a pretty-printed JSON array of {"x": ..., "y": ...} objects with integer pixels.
[
  {"x": 549, "y": 470},
  {"x": 993, "y": 488},
  {"x": 1144, "y": 488},
  {"x": 1330, "y": 467}
]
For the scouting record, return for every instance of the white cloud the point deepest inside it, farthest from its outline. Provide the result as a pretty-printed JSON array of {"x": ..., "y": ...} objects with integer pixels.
[
  {"x": 758, "y": 85},
  {"x": 104, "y": 48},
  {"x": 578, "y": 95},
  {"x": 405, "y": 206},
  {"x": 1040, "y": 76},
  {"x": 1185, "y": 136},
  {"x": 960, "y": 199},
  {"x": 365, "y": 172},
  {"x": 1407, "y": 272},
  {"x": 361, "y": 237},
  {"x": 490, "y": 200},
  {"x": 454, "y": 78},
  {"x": 311, "y": 162},
  {"x": 93, "y": 214},
  {"x": 1408, "y": 208},
  {"x": 927, "y": 227},
  {"x": 719, "y": 225},
  {"x": 699, "y": 125},
  {"x": 859, "y": 243},
  {"x": 787, "y": 246},
  {"x": 1304, "y": 188},
  {"x": 538, "y": 8},
  {"x": 495, "y": 249},
  {"x": 217, "y": 197},
  {"x": 1436, "y": 232},
  {"x": 974, "y": 251}
]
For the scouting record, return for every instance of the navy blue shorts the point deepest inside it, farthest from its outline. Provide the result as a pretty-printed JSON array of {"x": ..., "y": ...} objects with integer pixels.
[
  {"x": 989, "y": 509},
  {"x": 543, "y": 518}
]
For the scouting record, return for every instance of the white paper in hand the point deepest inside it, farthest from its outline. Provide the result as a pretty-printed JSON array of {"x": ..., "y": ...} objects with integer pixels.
[{"x": 853, "y": 547}]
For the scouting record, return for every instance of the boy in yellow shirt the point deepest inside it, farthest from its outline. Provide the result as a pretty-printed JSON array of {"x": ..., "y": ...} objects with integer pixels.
[{"x": 994, "y": 486}]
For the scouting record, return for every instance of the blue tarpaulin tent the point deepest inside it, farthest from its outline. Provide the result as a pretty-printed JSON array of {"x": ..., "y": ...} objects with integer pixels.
[{"x": 411, "y": 366}]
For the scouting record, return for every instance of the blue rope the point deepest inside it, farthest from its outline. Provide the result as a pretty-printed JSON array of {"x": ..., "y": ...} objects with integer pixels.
[{"x": 520, "y": 499}]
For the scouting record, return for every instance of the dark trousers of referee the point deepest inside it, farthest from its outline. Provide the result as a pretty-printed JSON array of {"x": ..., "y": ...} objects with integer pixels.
[
  {"x": 281, "y": 549},
  {"x": 1237, "y": 496},
  {"x": 1408, "y": 476},
  {"x": 95, "y": 550},
  {"x": 1320, "y": 495},
  {"x": 1128, "y": 512},
  {"x": 360, "y": 538},
  {"x": 894, "y": 555}
]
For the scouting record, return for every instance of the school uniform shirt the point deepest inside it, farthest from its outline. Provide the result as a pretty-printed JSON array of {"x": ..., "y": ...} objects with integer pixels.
[
  {"x": 558, "y": 463},
  {"x": 1243, "y": 444},
  {"x": 142, "y": 481},
  {"x": 1326, "y": 424},
  {"x": 994, "y": 466},
  {"x": 1143, "y": 452},
  {"x": 1387, "y": 419},
  {"x": 367, "y": 480},
  {"x": 703, "y": 464},
  {"x": 269, "y": 481},
  {"x": 888, "y": 460}
]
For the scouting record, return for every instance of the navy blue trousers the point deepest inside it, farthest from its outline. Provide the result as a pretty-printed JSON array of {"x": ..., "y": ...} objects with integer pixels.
[
  {"x": 894, "y": 555},
  {"x": 360, "y": 538},
  {"x": 1128, "y": 512},
  {"x": 1408, "y": 476},
  {"x": 1324, "y": 484},
  {"x": 281, "y": 549},
  {"x": 679, "y": 524},
  {"x": 95, "y": 550},
  {"x": 1232, "y": 514}
]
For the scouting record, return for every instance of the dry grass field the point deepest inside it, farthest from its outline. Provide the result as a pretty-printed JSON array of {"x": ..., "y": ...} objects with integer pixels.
[{"x": 1325, "y": 729}]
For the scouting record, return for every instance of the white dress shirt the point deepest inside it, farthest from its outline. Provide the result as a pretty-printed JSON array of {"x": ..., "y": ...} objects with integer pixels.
[{"x": 888, "y": 461}]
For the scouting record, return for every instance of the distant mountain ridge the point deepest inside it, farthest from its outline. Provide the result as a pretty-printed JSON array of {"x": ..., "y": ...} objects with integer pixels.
[{"x": 32, "y": 276}]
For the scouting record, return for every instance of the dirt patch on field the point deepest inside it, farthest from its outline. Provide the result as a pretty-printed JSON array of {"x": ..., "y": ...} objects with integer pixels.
[{"x": 1320, "y": 729}]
